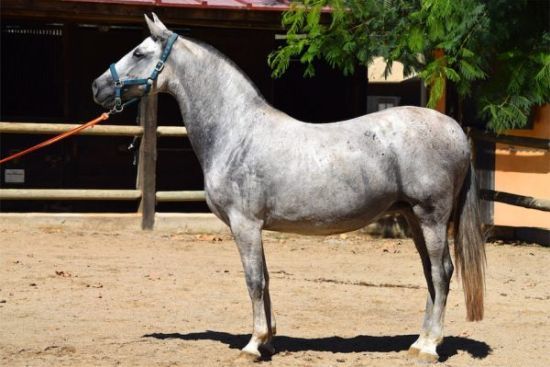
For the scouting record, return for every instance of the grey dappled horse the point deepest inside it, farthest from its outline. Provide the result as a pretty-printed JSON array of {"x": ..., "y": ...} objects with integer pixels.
[{"x": 265, "y": 170}]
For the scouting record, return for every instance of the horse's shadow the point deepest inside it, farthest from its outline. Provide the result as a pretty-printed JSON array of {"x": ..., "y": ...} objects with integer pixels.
[{"x": 335, "y": 344}]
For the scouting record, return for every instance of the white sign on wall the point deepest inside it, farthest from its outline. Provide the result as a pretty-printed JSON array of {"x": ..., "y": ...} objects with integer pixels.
[{"x": 14, "y": 176}]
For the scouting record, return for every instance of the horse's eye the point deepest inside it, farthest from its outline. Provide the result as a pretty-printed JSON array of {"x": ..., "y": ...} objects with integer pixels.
[{"x": 137, "y": 54}]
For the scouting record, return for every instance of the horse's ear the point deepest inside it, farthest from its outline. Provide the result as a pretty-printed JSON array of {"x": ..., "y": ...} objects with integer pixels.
[
  {"x": 157, "y": 29},
  {"x": 157, "y": 20}
]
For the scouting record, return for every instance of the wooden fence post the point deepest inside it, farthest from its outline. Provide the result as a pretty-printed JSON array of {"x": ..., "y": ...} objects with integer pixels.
[
  {"x": 484, "y": 163},
  {"x": 147, "y": 164}
]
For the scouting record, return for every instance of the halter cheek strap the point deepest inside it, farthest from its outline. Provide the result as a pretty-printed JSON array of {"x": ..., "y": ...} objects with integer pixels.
[{"x": 120, "y": 85}]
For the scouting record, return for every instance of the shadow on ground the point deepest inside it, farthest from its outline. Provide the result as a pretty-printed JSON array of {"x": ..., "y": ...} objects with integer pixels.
[{"x": 361, "y": 343}]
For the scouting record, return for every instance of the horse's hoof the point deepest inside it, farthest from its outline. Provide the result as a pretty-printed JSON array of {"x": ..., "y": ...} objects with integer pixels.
[
  {"x": 413, "y": 352},
  {"x": 245, "y": 359},
  {"x": 427, "y": 357}
]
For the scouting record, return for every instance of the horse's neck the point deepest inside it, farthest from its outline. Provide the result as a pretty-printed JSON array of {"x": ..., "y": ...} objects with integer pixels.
[{"x": 216, "y": 100}]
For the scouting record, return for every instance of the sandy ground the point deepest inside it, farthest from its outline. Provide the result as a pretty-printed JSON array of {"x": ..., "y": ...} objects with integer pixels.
[{"x": 83, "y": 298}]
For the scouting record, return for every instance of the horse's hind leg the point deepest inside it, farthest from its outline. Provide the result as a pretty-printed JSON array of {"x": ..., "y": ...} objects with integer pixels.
[
  {"x": 430, "y": 235},
  {"x": 267, "y": 300},
  {"x": 248, "y": 237},
  {"x": 420, "y": 244}
]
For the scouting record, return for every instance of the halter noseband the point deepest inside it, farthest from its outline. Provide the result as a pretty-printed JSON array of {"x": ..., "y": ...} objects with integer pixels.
[{"x": 121, "y": 84}]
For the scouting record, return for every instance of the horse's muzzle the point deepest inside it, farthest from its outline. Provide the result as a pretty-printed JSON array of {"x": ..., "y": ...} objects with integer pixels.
[
  {"x": 101, "y": 94},
  {"x": 95, "y": 89}
]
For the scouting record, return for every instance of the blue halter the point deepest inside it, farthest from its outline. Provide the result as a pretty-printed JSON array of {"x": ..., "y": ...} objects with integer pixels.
[{"x": 121, "y": 84}]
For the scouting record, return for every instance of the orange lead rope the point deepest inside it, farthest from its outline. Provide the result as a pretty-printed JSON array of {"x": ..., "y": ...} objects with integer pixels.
[{"x": 76, "y": 130}]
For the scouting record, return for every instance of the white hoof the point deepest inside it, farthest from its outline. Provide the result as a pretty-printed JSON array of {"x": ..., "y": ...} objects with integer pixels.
[{"x": 252, "y": 350}]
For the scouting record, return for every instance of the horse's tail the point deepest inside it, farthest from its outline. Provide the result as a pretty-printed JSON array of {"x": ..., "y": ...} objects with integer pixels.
[{"x": 470, "y": 246}]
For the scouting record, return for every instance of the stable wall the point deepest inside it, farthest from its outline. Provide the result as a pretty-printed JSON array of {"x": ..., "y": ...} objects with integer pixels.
[{"x": 524, "y": 171}]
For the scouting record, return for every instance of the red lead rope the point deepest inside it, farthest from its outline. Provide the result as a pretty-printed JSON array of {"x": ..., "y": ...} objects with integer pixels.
[{"x": 76, "y": 130}]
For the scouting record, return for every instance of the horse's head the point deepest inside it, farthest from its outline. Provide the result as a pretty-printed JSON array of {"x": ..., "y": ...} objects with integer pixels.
[{"x": 138, "y": 72}]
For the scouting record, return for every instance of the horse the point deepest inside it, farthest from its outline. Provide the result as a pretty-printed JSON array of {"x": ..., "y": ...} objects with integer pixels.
[{"x": 264, "y": 170}]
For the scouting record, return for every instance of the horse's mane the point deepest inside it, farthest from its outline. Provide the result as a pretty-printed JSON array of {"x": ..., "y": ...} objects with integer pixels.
[{"x": 219, "y": 55}]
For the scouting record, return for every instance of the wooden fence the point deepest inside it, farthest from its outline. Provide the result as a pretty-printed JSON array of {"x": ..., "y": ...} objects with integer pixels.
[
  {"x": 146, "y": 181},
  {"x": 146, "y": 177}
]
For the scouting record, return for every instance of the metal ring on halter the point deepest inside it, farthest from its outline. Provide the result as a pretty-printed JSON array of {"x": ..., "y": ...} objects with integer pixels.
[{"x": 116, "y": 109}]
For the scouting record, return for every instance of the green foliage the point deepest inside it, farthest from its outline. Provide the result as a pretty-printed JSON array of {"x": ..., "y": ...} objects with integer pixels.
[{"x": 496, "y": 52}]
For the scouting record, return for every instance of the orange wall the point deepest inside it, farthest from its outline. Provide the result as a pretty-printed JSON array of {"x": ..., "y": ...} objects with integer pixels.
[{"x": 524, "y": 171}]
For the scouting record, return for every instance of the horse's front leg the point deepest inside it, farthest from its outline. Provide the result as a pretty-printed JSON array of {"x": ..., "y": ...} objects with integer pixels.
[
  {"x": 267, "y": 300},
  {"x": 248, "y": 236}
]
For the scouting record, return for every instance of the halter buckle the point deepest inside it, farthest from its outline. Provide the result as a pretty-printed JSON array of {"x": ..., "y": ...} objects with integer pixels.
[
  {"x": 159, "y": 66},
  {"x": 119, "y": 84}
]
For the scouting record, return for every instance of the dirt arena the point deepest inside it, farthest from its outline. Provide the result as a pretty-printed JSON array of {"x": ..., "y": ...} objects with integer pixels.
[{"x": 94, "y": 298}]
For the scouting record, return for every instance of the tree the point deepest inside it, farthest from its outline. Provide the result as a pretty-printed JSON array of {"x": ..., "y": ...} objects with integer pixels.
[{"x": 495, "y": 52}]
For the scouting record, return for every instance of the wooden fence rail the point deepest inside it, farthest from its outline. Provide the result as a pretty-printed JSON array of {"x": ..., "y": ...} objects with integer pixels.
[
  {"x": 172, "y": 196},
  {"x": 536, "y": 143},
  {"x": 68, "y": 194},
  {"x": 99, "y": 130},
  {"x": 517, "y": 200},
  {"x": 146, "y": 181},
  {"x": 97, "y": 194}
]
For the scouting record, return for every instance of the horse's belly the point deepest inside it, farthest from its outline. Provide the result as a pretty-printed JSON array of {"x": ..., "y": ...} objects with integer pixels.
[
  {"x": 309, "y": 227},
  {"x": 322, "y": 215}
]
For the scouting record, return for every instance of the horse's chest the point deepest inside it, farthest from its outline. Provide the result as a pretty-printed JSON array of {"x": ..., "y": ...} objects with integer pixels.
[{"x": 229, "y": 190}]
